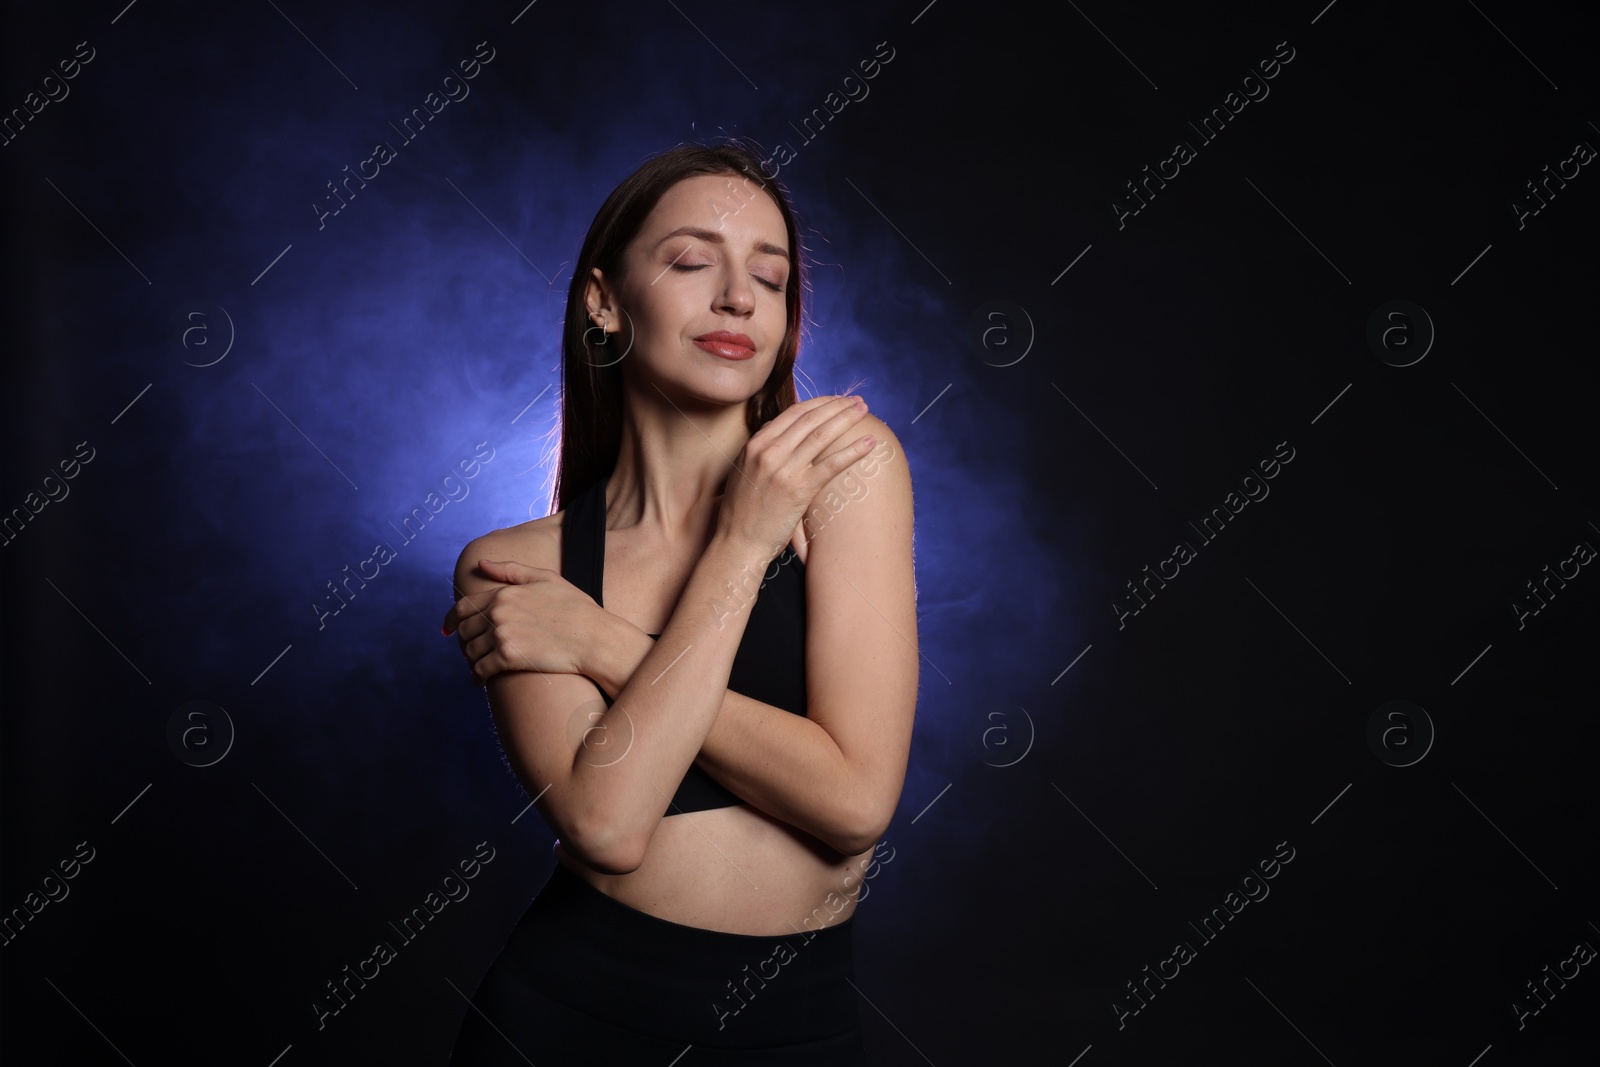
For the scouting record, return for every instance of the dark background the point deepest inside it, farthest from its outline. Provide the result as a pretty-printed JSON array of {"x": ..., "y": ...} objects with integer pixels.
[{"x": 1059, "y": 829}]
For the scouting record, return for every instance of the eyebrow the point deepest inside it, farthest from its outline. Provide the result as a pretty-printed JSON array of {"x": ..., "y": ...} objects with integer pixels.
[{"x": 716, "y": 238}]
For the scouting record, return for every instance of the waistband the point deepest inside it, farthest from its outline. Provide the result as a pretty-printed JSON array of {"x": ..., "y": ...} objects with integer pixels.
[{"x": 598, "y": 955}]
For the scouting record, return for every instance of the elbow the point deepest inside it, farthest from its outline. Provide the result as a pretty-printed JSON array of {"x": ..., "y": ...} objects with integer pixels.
[
  {"x": 860, "y": 831},
  {"x": 863, "y": 815},
  {"x": 613, "y": 862},
  {"x": 852, "y": 844},
  {"x": 606, "y": 847}
]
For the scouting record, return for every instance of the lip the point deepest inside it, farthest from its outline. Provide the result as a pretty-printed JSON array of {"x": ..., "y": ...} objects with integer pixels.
[{"x": 727, "y": 345}]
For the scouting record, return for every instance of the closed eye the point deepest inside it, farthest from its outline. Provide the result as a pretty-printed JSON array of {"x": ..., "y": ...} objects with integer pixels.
[{"x": 686, "y": 267}]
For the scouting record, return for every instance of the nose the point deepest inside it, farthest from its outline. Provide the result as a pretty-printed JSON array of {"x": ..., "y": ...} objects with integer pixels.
[{"x": 737, "y": 296}]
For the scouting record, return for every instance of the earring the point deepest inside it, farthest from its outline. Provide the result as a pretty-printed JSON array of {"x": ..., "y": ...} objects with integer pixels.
[{"x": 597, "y": 349}]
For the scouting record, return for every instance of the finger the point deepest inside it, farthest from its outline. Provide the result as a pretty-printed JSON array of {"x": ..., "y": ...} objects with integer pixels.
[
  {"x": 854, "y": 411},
  {"x": 473, "y": 628},
  {"x": 489, "y": 665},
  {"x": 816, "y": 401},
  {"x": 852, "y": 453},
  {"x": 825, "y": 436},
  {"x": 510, "y": 571},
  {"x": 476, "y": 651},
  {"x": 801, "y": 428},
  {"x": 459, "y": 612},
  {"x": 485, "y": 640},
  {"x": 780, "y": 423}
]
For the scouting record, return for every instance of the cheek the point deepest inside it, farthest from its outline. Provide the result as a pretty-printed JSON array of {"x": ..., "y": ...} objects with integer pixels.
[
  {"x": 779, "y": 326},
  {"x": 774, "y": 306},
  {"x": 659, "y": 315}
]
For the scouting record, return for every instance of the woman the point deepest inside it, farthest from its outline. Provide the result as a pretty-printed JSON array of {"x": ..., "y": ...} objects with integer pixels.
[{"x": 703, "y": 665}]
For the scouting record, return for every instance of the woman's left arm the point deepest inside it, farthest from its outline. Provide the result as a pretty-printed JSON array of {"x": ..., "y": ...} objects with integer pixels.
[{"x": 837, "y": 772}]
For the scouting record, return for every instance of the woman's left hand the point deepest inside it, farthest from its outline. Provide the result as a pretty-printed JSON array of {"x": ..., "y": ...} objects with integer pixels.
[{"x": 537, "y": 621}]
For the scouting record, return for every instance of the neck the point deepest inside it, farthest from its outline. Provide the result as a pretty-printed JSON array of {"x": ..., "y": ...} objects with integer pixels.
[{"x": 673, "y": 465}]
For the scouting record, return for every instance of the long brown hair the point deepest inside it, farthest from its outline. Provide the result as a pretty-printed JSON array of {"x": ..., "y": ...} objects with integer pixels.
[{"x": 591, "y": 380}]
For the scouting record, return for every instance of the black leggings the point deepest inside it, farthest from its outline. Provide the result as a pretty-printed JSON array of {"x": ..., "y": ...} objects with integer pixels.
[{"x": 586, "y": 979}]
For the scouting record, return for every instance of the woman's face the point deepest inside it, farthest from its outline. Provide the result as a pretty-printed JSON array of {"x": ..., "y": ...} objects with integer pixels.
[{"x": 704, "y": 291}]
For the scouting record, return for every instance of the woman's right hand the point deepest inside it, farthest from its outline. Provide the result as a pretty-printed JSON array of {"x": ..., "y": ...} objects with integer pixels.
[{"x": 783, "y": 467}]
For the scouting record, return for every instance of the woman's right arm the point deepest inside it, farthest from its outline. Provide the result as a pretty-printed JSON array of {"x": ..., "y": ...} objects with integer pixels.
[
  {"x": 542, "y": 719},
  {"x": 604, "y": 777}
]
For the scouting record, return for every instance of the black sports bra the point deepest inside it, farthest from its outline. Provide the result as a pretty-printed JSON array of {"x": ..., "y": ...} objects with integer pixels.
[{"x": 770, "y": 665}]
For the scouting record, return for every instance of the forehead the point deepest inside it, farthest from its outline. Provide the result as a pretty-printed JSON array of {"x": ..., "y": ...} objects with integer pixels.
[{"x": 731, "y": 204}]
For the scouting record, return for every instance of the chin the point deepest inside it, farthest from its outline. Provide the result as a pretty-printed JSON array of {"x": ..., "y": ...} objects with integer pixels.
[{"x": 712, "y": 394}]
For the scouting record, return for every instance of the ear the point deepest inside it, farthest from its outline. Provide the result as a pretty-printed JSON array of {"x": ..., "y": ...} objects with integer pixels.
[{"x": 600, "y": 300}]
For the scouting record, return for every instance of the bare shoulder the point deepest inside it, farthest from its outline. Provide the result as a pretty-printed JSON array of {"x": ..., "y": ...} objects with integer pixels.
[
  {"x": 882, "y": 474},
  {"x": 536, "y": 543},
  {"x": 886, "y": 452}
]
